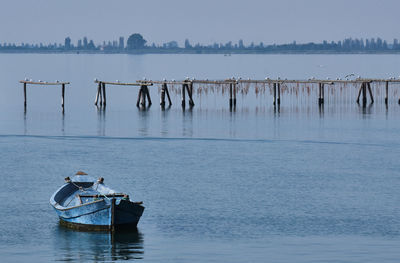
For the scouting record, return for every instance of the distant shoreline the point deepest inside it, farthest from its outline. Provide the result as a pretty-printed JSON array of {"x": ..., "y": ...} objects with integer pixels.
[{"x": 205, "y": 52}]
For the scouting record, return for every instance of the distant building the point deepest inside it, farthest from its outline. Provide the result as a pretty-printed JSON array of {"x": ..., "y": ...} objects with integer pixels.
[
  {"x": 121, "y": 43},
  {"x": 67, "y": 43},
  {"x": 85, "y": 42},
  {"x": 80, "y": 43}
]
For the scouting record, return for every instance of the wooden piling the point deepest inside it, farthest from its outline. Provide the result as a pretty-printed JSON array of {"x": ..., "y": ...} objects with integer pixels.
[
  {"x": 25, "y": 94},
  {"x": 167, "y": 92},
  {"x": 139, "y": 97},
  {"x": 189, "y": 88},
  {"x": 143, "y": 96},
  {"x": 274, "y": 102},
  {"x": 323, "y": 93},
  {"x": 279, "y": 93},
  {"x": 234, "y": 94},
  {"x": 387, "y": 92},
  {"x": 162, "y": 97},
  {"x": 62, "y": 94},
  {"x": 364, "y": 93},
  {"x": 183, "y": 95},
  {"x": 148, "y": 95},
  {"x": 97, "y": 94},
  {"x": 319, "y": 94},
  {"x": 359, "y": 93},
  {"x": 104, "y": 94},
  {"x": 230, "y": 95},
  {"x": 370, "y": 92}
]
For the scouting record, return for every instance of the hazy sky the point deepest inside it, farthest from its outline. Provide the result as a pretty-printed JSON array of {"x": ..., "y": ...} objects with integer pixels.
[{"x": 204, "y": 21}]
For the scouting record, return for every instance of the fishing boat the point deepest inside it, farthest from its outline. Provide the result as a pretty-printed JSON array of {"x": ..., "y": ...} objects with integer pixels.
[{"x": 88, "y": 204}]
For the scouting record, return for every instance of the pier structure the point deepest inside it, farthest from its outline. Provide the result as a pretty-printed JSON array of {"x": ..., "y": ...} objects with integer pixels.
[
  {"x": 188, "y": 86},
  {"x": 143, "y": 95},
  {"x": 45, "y": 83}
]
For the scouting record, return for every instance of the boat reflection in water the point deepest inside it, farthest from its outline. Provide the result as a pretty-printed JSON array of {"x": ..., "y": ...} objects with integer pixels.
[{"x": 73, "y": 245}]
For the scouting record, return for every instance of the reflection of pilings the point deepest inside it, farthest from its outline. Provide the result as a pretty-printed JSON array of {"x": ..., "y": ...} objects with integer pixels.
[{"x": 274, "y": 87}]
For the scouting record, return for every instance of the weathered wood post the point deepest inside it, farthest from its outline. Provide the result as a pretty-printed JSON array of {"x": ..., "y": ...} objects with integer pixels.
[
  {"x": 139, "y": 97},
  {"x": 279, "y": 93},
  {"x": 319, "y": 94},
  {"x": 183, "y": 95},
  {"x": 230, "y": 95},
  {"x": 387, "y": 91},
  {"x": 144, "y": 95},
  {"x": 162, "y": 97},
  {"x": 97, "y": 94},
  {"x": 167, "y": 92},
  {"x": 189, "y": 88},
  {"x": 274, "y": 101},
  {"x": 62, "y": 94},
  {"x": 104, "y": 94},
  {"x": 234, "y": 94},
  {"x": 25, "y": 94},
  {"x": 359, "y": 93},
  {"x": 323, "y": 93},
  {"x": 364, "y": 93},
  {"x": 148, "y": 95},
  {"x": 370, "y": 92}
]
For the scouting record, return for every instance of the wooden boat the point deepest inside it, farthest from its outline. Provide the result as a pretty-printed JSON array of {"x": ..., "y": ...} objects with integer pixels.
[{"x": 87, "y": 204}]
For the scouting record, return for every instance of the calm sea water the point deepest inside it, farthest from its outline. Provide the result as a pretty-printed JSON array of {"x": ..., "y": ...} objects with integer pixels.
[{"x": 298, "y": 184}]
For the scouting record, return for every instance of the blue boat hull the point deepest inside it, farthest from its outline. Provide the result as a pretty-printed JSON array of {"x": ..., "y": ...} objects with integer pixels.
[{"x": 100, "y": 215}]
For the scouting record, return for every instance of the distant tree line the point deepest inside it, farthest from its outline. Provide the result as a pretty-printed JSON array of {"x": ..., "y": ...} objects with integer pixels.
[{"x": 137, "y": 44}]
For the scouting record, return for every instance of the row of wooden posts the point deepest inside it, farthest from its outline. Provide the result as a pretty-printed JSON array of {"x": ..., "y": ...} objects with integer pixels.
[{"x": 144, "y": 99}]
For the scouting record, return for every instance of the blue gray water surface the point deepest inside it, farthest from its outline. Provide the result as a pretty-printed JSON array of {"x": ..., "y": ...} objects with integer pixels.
[{"x": 294, "y": 184}]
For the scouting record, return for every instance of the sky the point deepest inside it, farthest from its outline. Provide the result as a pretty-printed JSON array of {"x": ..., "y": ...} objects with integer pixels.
[{"x": 200, "y": 21}]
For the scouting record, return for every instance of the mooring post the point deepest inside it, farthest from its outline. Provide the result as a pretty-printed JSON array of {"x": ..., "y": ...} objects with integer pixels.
[
  {"x": 143, "y": 96},
  {"x": 62, "y": 94},
  {"x": 139, "y": 97},
  {"x": 279, "y": 93},
  {"x": 167, "y": 92},
  {"x": 183, "y": 95},
  {"x": 162, "y": 98},
  {"x": 274, "y": 94},
  {"x": 97, "y": 94},
  {"x": 370, "y": 92},
  {"x": 323, "y": 92},
  {"x": 364, "y": 93},
  {"x": 319, "y": 94},
  {"x": 387, "y": 91},
  {"x": 359, "y": 93},
  {"x": 189, "y": 88},
  {"x": 148, "y": 94},
  {"x": 234, "y": 94},
  {"x": 100, "y": 94},
  {"x": 230, "y": 95},
  {"x": 104, "y": 94},
  {"x": 25, "y": 94}
]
